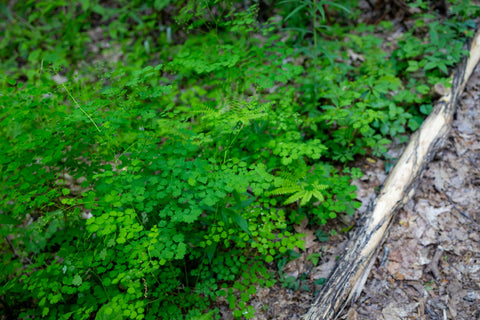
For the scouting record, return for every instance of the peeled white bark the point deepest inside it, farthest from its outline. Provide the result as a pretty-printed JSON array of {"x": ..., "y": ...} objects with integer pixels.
[{"x": 351, "y": 271}]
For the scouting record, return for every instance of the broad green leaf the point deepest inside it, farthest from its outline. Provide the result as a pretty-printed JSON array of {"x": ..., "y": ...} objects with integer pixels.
[
  {"x": 239, "y": 220},
  {"x": 211, "y": 249},
  {"x": 5, "y": 219},
  {"x": 412, "y": 66},
  {"x": 294, "y": 11},
  {"x": 109, "y": 312}
]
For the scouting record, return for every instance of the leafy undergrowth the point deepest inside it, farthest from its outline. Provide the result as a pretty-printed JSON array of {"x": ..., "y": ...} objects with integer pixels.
[{"x": 156, "y": 155}]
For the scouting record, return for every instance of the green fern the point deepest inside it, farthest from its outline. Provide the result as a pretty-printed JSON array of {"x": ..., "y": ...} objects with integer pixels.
[{"x": 299, "y": 186}]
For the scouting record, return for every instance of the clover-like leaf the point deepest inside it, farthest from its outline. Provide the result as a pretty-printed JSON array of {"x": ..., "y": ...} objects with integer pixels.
[{"x": 77, "y": 280}]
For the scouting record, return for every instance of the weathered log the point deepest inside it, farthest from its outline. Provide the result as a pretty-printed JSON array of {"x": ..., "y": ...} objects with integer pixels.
[{"x": 347, "y": 279}]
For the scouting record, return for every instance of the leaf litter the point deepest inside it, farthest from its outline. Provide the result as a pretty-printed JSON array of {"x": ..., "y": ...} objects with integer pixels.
[{"x": 429, "y": 265}]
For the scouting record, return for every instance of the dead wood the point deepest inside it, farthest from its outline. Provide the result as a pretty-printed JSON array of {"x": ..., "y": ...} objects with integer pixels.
[{"x": 350, "y": 273}]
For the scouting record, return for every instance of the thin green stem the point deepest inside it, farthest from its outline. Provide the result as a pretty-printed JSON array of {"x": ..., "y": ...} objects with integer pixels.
[
  {"x": 80, "y": 107},
  {"x": 315, "y": 44}
]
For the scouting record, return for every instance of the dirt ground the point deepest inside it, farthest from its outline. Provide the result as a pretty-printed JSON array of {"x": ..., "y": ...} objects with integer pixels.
[{"x": 429, "y": 264}]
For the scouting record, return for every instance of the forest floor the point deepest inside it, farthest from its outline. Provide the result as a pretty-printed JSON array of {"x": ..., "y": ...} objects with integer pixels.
[{"x": 429, "y": 264}]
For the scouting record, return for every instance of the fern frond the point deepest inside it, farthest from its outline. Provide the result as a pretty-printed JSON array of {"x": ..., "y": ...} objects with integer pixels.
[
  {"x": 319, "y": 187},
  {"x": 288, "y": 178},
  {"x": 295, "y": 197},
  {"x": 207, "y": 110},
  {"x": 285, "y": 190},
  {"x": 318, "y": 195},
  {"x": 306, "y": 198}
]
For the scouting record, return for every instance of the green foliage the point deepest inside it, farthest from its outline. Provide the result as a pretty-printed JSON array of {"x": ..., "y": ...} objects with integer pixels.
[
  {"x": 300, "y": 186},
  {"x": 156, "y": 155}
]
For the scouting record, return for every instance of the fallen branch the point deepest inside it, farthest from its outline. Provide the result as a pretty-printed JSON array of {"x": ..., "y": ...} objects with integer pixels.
[{"x": 349, "y": 275}]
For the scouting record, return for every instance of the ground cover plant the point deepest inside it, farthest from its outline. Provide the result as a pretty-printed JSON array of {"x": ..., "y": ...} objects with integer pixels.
[{"x": 156, "y": 155}]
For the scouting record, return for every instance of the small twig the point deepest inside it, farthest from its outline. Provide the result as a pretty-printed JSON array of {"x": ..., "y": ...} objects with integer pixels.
[
  {"x": 15, "y": 251},
  {"x": 421, "y": 309},
  {"x": 385, "y": 255},
  {"x": 371, "y": 5},
  {"x": 473, "y": 163},
  {"x": 460, "y": 211},
  {"x": 432, "y": 313},
  {"x": 433, "y": 265},
  {"x": 11, "y": 246}
]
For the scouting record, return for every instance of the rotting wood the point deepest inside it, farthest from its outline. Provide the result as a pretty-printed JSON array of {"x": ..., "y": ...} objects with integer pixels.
[{"x": 347, "y": 279}]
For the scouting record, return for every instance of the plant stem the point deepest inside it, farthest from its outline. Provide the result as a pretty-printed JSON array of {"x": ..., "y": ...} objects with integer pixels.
[
  {"x": 78, "y": 105},
  {"x": 315, "y": 40}
]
